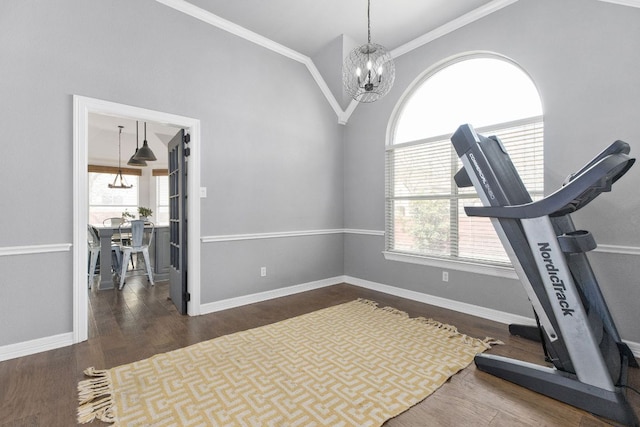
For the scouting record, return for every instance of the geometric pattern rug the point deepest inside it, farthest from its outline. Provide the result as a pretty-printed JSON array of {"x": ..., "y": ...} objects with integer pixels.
[{"x": 352, "y": 364}]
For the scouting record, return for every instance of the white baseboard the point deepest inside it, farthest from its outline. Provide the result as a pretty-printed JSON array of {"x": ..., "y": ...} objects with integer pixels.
[
  {"x": 474, "y": 310},
  {"x": 26, "y": 348},
  {"x": 264, "y": 296},
  {"x": 634, "y": 347},
  {"x": 39, "y": 345}
]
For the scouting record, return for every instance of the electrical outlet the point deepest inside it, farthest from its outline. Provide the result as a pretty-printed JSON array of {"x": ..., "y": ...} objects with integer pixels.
[
  {"x": 263, "y": 271},
  {"x": 445, "y": 276}
]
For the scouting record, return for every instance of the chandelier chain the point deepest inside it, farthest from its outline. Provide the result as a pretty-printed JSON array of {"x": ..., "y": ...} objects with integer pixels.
[{"x": 369, "y": 21}]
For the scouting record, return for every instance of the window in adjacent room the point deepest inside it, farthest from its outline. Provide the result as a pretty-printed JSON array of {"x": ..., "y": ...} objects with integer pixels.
[
  {"x": 161, "y": 213},
  {"x": 105, "y": 202},
  {"x": 425, "y": 215}
]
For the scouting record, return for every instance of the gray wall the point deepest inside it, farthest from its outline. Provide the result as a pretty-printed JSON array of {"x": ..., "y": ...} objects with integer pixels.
[
  {"x": 583, "y": 57},
  {"x": 273, "y": 156},
  {"x": 271, "y": 145}
]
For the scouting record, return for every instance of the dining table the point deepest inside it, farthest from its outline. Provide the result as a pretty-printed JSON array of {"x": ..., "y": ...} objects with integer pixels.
[
  {"x": 105, "y": 233},
  {"x": 158, "y": 253}
]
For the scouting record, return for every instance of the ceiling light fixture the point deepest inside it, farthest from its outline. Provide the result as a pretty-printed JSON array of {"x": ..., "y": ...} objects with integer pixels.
[
  {"x": 133, "y": 161},
  {"x": 118, "y": 181},
  {"x": 145, "y": 152},
  {"x": 368, "y": 72}
]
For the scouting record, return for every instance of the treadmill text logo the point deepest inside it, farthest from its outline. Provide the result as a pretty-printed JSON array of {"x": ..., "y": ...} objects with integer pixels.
[
  {"x": 556, "y": 282},
  {"x": 481, "y": 176}
]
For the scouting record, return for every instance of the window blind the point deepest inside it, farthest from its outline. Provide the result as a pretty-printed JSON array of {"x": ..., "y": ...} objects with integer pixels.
[{"x": 425, "y": 209}]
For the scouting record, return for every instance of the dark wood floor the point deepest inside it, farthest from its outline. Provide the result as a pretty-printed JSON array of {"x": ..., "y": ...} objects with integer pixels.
[{"x": 138, "y": 322}]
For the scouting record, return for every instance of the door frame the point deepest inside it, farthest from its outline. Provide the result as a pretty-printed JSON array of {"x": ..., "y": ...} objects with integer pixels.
[{"x": 82, "y": 106}]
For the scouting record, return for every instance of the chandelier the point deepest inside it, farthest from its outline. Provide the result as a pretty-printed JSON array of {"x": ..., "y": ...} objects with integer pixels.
[
  {"x": 133, "y": 161},
  {"x": 118, "y": 181},
  {"x": 368, "y": 72},
  {"x": 144, "y": 153}
]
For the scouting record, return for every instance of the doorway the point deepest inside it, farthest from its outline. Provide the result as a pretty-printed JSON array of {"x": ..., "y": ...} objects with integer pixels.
[{"x": 83, "y": 106}]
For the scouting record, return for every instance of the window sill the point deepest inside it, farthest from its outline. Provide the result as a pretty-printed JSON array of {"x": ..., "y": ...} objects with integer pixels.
[{"x": 470, "y": 267}]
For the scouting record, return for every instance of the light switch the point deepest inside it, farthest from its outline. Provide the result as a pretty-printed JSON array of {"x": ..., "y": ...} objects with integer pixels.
[{"x": 203, "y": 192}]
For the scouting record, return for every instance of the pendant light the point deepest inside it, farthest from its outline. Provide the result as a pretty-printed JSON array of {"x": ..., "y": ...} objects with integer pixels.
[
  {"x": 368, "y": 72},
  {"x": 118, "y": 181},
  {"x": 145, "y": 152},
  {"x": 133, "y": 161}
]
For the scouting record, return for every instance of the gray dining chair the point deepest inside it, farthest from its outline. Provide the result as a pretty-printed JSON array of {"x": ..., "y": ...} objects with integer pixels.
[
  {"x": 141, "y": 238},
  {"x": 112, "y": 222},
  {"x": 93, "y": 245}
]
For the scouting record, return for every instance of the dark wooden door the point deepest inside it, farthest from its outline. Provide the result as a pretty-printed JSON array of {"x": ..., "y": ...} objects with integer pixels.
[{"x": 178, "y": 221}]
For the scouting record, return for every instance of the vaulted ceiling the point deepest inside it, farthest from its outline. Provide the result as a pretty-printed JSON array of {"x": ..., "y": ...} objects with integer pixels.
[
  {"x": 307, "y": 26},
  {"x": 303, "y": 29}
]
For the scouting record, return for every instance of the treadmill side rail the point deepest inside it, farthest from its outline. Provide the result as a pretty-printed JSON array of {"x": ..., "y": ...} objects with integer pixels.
[{"x": 565, "y": 302}]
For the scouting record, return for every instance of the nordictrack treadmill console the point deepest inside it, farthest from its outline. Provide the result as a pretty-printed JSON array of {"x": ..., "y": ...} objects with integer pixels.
[{"x": 578, "y": 334}]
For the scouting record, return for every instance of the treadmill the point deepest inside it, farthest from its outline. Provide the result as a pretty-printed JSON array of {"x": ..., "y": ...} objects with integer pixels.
[{"x": 578, "y": 334}]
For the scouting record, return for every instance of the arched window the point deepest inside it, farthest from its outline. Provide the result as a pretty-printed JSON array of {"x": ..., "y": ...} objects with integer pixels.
[{"x": 424, "y": 208}]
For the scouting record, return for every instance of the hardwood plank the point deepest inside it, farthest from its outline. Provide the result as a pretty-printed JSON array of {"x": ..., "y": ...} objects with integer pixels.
[{"x": 138, "y": 322}]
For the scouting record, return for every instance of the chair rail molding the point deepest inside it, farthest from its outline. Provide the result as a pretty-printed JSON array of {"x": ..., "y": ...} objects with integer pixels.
[
  {"x": 283, "y": 234},
  {"x": 34, "y": 249},
  {"x": 630, "y": 3},
  {"x": 618, "y": 249}
]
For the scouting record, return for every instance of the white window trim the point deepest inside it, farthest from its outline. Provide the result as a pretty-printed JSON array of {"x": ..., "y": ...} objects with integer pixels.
[
  {"x": 506, "y": 271},
  {"x": 451, "y": 264}
]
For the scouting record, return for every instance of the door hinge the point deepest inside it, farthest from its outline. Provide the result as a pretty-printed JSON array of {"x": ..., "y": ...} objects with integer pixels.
[
  {"x": 187, "y": 152},
  {"x": 187, "y": 138},
  {"x": 186, "y": 296}
]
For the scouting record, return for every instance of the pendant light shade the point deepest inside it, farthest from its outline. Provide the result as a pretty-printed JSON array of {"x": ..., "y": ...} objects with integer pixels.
[
  {"x": 145, "y": 153},
  {"x": 133, "y": 161},
  {"x": 368, "y": 72},
  {"x": 118, "y": 181}
]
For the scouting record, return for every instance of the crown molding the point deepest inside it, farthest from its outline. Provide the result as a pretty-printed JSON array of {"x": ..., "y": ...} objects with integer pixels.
[
  {"x": 237, "y": 30},
  {"x": 343, "y": 115},
  {"x": 451, "y": 26},
  {"x": 630, "y": 3}
]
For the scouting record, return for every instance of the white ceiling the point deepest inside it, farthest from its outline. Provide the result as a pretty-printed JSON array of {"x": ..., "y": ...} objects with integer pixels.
[
  {"x": 307, "y": 26},
  {"x": 103, "y": 140}
]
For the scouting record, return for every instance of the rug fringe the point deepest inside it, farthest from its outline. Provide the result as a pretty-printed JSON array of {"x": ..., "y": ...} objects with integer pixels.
[
  {"x": 466, "y": 339},
  {"x": 492, "y": 341},
  {"x": 95, "y": 396},
  {"x": 395, "y": 311},
  {"x": 437, "y": 324},
  {"x": 367, "y": 302}
]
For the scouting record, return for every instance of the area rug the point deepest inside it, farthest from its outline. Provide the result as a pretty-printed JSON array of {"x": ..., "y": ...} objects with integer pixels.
[{"x": 353, "y": 364}]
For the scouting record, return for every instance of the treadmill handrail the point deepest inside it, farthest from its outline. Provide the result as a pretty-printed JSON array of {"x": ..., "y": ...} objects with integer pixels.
[
  {"x": 591, "y": 182},
  {"x": 617, "y": 147}
]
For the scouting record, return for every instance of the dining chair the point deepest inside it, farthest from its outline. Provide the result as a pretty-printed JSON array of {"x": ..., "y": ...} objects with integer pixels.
[
  {"x": 114, "y": 222},
  {"x": 141, "y": 238},
  {"x": 93, "y": 244}
]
